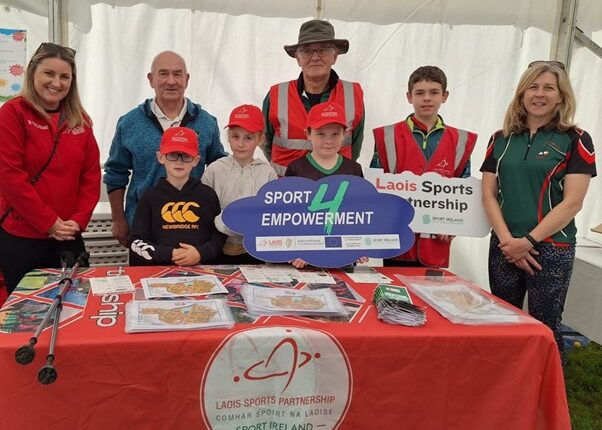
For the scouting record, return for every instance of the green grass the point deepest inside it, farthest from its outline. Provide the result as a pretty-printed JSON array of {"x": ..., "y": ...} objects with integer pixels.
[{"x": 583, "y": 379}]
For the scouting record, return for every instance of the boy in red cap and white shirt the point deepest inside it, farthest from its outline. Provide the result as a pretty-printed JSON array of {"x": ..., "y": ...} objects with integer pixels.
[
  {"x": 173, "y": 223},
  {"x": 239, "y": 175},
  {"x": 325, "y": 130}
]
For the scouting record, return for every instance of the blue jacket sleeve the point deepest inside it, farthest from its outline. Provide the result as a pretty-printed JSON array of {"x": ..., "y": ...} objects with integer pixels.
[
  {"x": 118, "y": 165},
  {"x": 215, "y": 150}
]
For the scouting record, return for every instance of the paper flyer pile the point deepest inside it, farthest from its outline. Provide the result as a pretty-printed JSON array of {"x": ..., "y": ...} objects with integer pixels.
[
  {"x": 176, "y": 315},
  {"x": 395, "y": 306},
  {"x": 182, "y": 286},
  {"x": 284, "y": 301},
  {"x": 463, "y": 302}
]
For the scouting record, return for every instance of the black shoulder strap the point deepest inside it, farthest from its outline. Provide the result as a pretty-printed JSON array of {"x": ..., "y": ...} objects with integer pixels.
[{"x": 35, "y": 178}]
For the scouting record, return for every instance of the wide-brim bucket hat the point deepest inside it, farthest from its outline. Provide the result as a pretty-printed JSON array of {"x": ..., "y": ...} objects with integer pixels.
[{"x": 317, "y": 31}]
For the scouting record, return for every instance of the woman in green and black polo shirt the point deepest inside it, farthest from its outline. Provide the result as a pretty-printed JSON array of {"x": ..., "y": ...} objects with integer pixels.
[{"x": 535, "y": 177}]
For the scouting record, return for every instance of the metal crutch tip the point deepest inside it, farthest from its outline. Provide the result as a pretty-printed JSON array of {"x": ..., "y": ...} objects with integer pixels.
[
  {"x": 47, "y": 374},
  {"x": 25, "y": 354}
]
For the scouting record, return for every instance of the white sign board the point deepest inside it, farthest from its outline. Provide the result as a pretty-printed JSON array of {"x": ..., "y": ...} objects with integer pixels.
[
  {"x": 12, "y": 62},
  {"x": 443, "y": 205}
]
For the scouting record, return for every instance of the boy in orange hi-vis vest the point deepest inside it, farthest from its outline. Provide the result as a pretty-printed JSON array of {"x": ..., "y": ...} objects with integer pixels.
[{"x": 424, "y": 143}]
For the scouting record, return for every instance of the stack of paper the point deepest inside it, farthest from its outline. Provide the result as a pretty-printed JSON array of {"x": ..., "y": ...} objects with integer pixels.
[
  {"x": 463, "y": 302},
  {"x": 111, "y": 285},
  {"x": 341, "y": 288},
  {"x": 395, "y": 306},
  {"x": 365, "y": 275},
  {"x": 175, "y": 315},
  {"x": 284, "y": 274},
  {"x": 284, "y": 301},
  {"x": 182, "y": 286}
]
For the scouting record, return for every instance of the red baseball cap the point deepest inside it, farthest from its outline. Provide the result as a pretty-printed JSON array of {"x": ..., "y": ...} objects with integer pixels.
[
  {"x": 248, "y": 117},
  {"x": 179, "y": 139},
  {"x": 326, "y": 113}
]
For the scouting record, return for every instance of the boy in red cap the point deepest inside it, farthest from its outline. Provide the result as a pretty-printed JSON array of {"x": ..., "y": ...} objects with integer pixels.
[
  {"x": 174, "y": 219},
  {"x": 239, "y": 175},
  {"x": 326, "y": 131}
]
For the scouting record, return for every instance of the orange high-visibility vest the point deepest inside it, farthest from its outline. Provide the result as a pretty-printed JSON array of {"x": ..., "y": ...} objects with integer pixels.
[
  {"x": 288, "y": 117},
  {"x": 398, "y": 152}
]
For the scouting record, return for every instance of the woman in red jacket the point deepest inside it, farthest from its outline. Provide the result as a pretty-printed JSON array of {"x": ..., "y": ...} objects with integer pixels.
[{"x": 49, "y": 167}]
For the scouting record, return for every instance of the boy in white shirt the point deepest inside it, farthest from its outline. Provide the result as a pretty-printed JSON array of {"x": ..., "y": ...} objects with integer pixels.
[{"x": 239, "y": 175}]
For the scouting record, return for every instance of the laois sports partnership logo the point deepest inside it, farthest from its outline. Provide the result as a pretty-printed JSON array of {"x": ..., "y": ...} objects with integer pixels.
[{"x": 276, "y": 378}]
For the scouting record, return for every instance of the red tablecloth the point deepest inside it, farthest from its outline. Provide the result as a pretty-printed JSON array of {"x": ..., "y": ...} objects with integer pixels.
[{"x": 279, "y": 373}]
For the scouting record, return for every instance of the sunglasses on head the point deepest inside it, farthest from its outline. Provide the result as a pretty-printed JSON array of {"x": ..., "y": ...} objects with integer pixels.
[
  {"x": 49, "y": 46},
  {"x": 548, "y": 63}
]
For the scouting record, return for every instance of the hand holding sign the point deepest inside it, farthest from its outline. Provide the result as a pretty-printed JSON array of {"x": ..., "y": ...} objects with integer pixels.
[{"x": 328, "y": 223}]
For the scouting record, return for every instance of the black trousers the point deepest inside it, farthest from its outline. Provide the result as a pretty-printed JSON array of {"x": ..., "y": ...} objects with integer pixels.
[{"x": 19, "y": 255}]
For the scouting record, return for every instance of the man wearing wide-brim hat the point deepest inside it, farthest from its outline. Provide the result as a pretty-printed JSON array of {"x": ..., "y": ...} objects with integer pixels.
[{"x": 286, "y": 106}]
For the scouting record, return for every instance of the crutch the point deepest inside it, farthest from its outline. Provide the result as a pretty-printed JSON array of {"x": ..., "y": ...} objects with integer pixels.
[
  {"x": 26, "y": 353},
  {"x": 47, "y": 373}
]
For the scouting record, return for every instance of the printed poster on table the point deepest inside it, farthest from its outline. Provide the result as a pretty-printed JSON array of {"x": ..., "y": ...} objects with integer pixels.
[
  {"x": 328, "y": 223},
  {"x": 442, "y": 205},
  {"x": 12, "y": 62}
]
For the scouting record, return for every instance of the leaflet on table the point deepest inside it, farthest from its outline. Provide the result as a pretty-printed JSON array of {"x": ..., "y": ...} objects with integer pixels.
[
  {"x": 283, "y": 301},
  {"x": 395, "y": 306},
  {"x": 111, "y": 285},
  {"x": 175, "y": 315},
  {"x": 284, "y": 274},
  {"x": 341, "y": 288},
  {"x": 274, "y": 274},
  {"x": 401, "y": 313},
  {"x": 314, "y": 276},
  {"x": 391, "y": 292},
  {"x": 462, "y": 301},
  {"x": 365, "y": 275},
  {"x": 183, "y": 286}
]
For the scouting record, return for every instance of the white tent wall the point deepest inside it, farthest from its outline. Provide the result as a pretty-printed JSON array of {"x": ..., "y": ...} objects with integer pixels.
[{"x": 234, "y": 53}]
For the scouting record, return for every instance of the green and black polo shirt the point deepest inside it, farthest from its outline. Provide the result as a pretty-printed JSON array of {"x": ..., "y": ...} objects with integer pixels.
[{"x": 530, "y": 171}]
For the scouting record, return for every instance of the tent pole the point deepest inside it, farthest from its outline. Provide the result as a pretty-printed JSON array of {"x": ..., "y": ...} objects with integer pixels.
[
  {"x": 562, "y": 40},
  {"x": 581, "y": 38},
  {"x": 58, "y": 29}
]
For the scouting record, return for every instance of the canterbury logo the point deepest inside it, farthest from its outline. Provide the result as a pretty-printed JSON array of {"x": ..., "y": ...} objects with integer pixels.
[
  {"x": 142, "y": 249},
  {"x": 179, "y": 212}
]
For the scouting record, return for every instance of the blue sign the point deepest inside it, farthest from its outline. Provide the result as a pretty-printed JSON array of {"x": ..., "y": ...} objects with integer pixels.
[{"x": 328, "y": 223}]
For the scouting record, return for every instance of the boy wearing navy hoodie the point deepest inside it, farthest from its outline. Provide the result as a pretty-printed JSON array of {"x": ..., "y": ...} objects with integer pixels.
[{"x": 174, "y": 221}]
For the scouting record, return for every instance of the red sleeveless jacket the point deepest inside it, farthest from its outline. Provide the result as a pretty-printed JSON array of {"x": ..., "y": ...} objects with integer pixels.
[{"x": 398, "y": 152}]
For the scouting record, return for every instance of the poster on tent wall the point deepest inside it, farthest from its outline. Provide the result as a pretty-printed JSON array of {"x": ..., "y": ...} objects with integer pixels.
[{"x": 12, "y": 62}]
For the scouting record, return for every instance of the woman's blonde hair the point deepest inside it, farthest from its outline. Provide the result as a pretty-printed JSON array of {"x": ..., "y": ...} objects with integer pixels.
[
  {"x": 515, "y": 120},
  {"x": 71, "y": 106}
]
